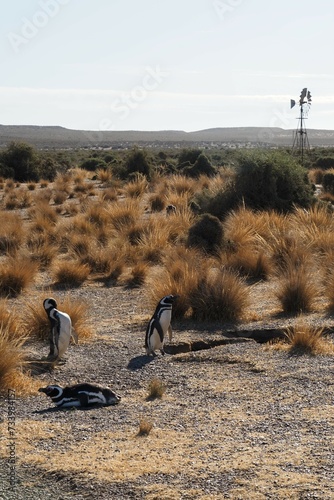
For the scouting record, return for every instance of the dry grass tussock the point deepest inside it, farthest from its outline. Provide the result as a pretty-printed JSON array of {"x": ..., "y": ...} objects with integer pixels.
[
  {"x": 16, "y": 274},
  {"x": 10, "y": 321},
  {"x": 297, "y": 290},
  {"x": 145, "y": 427},
  {"x": 124, "y": 214},
  {"x": 156, "y": 389},
  {"x": 305, "y": 339},
  {"x": 69, "y": 272},
  {"x": 12, "y": 361},
  {"x": 12, "y": 232}
]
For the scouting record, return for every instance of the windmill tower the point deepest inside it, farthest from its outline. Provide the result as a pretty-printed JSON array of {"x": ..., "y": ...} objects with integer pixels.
[{"x": 300, "y": 142}]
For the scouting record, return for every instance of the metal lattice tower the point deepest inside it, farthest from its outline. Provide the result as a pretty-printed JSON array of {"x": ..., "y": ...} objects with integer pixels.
[{"x": 301, "y": 143}]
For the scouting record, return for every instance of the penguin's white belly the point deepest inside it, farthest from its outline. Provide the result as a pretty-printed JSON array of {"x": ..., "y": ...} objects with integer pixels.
[
  {"x": 165, "y": 320},
  {"x": 65, "y": 333},
  {"x": 155, "y": 342}
]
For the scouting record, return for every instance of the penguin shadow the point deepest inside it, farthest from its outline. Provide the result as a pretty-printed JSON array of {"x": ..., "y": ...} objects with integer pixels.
[
  {"x": 40, "y": 366},
  {"x": 138, "y": 362},
  {"x": 43, "y": 365},
  {"x": 57, "y": 409}
]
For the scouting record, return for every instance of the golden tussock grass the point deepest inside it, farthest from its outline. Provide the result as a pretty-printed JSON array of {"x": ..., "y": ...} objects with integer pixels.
[
  {"x": 297, "y": 290},
  {"x": 42, "y": 250},
  {"x": 136, "y": 188},
  {"x": 125, "y": 214},
  {"x": 42, "y": 211},
  {"x": 181, "y": 184},
  {"x": 138, "y": 275},
  {"x": 109, "y": 194},
  {"x": 249, "y": 263},
  {"x": 12, "y": 232},
  {"x": 303, "y": 338},
  {"x": 69, "y": 272},
  {"x": 145, "y": 427},
  {"x": 156, "y": 389},
  {"x": 104, "y": 175},
  {"x": 10, "y": 321},
  {"x": 16, "y": 274},
  {"x": 59, "y": 197},
  {"x": 12, "y": 360},
  {"x": 157, "y": 201},
  {"x": 220, "y": 296},
  {"x": 97, "y": 215}
]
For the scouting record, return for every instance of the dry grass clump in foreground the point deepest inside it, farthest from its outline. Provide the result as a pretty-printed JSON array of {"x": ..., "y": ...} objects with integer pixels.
[
  {"x": 145, "y": 427},
  {"x": 297, "y": 291},
  {"x": 10, "y": 321},
  {"x": 70, "y": 272},
  {"x": 16, "y": 274},
  {"x": 156, "y": 389},
  {"x": 306, "y": 339},
  {"x": 12, "y": 360}
]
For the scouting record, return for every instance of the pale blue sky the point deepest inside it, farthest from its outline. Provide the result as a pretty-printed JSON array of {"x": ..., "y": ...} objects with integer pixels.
[{"x": 156, "y": 65}]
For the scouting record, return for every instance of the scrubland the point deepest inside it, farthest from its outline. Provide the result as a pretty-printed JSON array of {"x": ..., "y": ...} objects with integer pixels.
[{"x": 242, "y": 420}]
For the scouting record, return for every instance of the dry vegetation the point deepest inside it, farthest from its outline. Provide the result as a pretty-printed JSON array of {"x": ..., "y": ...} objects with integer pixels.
[{"x": 77, "y": 236}]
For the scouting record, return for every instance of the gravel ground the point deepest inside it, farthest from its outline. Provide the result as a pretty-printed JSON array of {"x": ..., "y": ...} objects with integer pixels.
[{"x": 238, "y": 421}]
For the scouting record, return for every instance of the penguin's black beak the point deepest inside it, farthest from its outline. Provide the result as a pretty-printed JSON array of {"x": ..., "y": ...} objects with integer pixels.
[{"x": 43, "y": 389}]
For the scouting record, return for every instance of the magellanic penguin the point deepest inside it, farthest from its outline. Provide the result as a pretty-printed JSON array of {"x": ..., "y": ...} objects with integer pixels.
[
  {"x": 61, "y": 329},
  {"x": 159, "y": 325},
  {"x": 80, "y": 395}
]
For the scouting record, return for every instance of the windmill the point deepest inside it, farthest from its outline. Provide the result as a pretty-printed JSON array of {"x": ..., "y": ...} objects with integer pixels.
[{"x": 300, "y": 142}]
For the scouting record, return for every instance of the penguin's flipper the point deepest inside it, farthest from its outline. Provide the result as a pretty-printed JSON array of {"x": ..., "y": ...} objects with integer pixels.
[
  {"x": 159, "y": 329},
  {"x": 83, "y": 398},
  {"x": 170, "y": 333},
  {"x": 74, "y": 336}
]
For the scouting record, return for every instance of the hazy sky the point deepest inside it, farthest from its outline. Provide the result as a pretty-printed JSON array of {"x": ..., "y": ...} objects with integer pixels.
[{"x": 173, "y": 64}]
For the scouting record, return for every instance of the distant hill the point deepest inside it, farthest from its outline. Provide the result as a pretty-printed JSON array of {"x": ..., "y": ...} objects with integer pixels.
[{"x": 60, "y": 137}]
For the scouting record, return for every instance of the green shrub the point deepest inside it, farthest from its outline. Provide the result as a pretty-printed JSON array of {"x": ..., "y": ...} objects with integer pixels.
[
  {"x": 218, "y": 204},
  {"x": 201, "y": 166},
  {"x": 188, "y": 157},
  {"x": 138, "y": 162},
  {"x": 21, "y": 162},
  {"x": 328, "y": 183},
  {"x": 93, "y": 164},
  {"x": 272, "y": 180},
  {"x": 325, "y": 162}
]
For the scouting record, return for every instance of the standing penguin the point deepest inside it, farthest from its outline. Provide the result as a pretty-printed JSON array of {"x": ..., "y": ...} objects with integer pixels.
[
  {"x": 159, "y": 325},
  {"x": 61, "y": 329}
]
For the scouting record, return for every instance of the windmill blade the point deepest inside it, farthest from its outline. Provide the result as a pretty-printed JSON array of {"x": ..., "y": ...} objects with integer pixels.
[
  {"x": 302, "y": 96},
  {"x": 292, "y": 103}
]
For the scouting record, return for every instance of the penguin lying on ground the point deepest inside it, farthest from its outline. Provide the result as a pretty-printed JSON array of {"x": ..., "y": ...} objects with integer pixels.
[
  {"x": 159, "y": 325},
  {"x": 81, "y": 395},
  {"x": 61, "y": 329}
]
